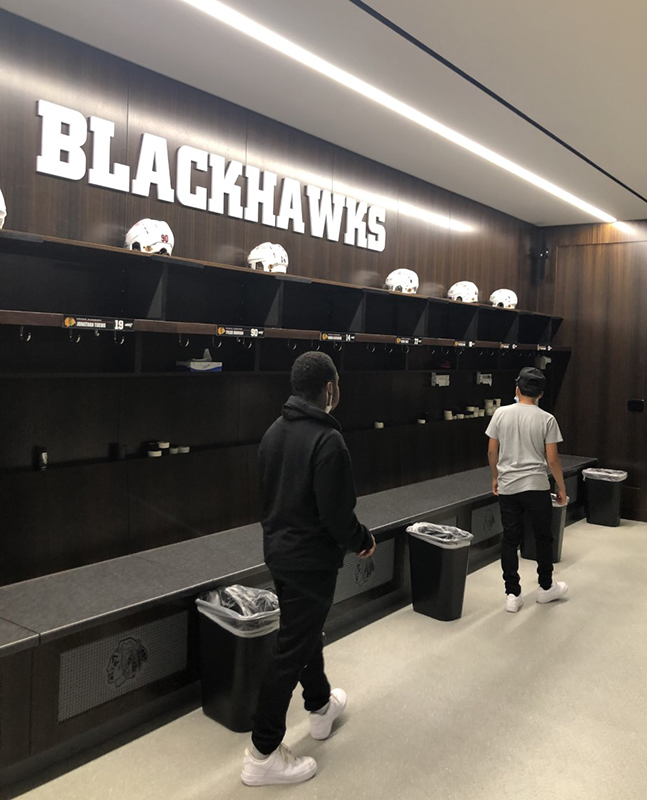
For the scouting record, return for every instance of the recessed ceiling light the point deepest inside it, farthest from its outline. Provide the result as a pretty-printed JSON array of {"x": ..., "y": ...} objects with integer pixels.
[{"x": 279, "y": 43}]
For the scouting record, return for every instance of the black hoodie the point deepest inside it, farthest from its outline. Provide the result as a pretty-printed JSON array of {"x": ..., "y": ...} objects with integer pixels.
[{"x": 307, "y": 492}]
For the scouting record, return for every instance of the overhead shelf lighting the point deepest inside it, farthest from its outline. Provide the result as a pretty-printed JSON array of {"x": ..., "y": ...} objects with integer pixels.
[{"x": 249, "y": 27}]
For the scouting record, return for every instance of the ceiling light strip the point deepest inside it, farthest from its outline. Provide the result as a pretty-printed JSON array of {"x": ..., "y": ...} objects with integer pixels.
[{"x": 248, "y": 26}]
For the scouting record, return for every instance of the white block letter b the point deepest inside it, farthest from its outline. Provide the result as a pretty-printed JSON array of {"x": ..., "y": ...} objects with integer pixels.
[{"x": 56, "y": 141}]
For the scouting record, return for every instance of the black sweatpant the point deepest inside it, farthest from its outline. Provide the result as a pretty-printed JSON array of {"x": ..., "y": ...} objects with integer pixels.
[
  {"x": 539, "y": 508},
  {"x": 305, "y": 599}
]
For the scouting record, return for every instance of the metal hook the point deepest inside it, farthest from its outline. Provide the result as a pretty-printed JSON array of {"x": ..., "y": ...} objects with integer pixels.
[
  {"x": 388, "y": 348},
  {"x": 446, "y": 351},
  {"x": 431, "y": 350},
  {"x": 246, "y": 343},
  {"x": 370, "y": 348},
  {"x": 119, "y": 340},
  {"x": 182, "y": 341},
  {"x": 25, "y": 336},
  {"x": 406, "y": 348},
  {"x": 315, "y": 345},
  {"x": 216, "y": 342},
  {"x": 338, "y": 346},
  {"x": 75, "y": 337},
  {"x": 292, "y": 345},
  {"x": 97, "y": 333}
]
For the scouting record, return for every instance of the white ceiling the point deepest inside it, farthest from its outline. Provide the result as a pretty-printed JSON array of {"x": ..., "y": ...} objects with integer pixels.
[{"x": 577, "y": 67}]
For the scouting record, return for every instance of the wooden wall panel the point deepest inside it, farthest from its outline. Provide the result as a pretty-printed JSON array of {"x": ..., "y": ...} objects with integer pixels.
[
  {"x": 38, "y": 63},
  {"x": 600, "y": 289}
]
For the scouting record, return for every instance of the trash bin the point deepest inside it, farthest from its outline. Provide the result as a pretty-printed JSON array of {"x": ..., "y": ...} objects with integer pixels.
[
  {"x": 528, "y": 543},
  {"x": 237, "y": 633},
  {"x": 603, "y": 491},
  {"x": 438, "y": 556}
]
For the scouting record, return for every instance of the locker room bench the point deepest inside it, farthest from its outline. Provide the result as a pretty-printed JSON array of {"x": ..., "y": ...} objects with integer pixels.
[{"x": 84, "y": 649}]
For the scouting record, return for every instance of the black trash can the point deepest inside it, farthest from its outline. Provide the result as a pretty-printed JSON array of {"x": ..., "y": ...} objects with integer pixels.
[
  {"x": 233, "y": 661},
  {"x": 438, "y": 557},
  {"x": 603, "y": 494},
  {"x": 528, "y": 544}
]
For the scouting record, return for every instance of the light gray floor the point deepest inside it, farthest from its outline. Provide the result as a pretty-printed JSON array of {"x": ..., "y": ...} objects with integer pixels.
[{"x": 548, "y": 703}]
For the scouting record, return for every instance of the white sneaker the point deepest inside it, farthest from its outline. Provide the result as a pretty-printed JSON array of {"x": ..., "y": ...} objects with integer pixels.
[
  {"x": 281, "y": 766},
  {"x": 556, "y": 592},
  {"x": 321, "y": 724},
  {"x": 513, "y": 603}
]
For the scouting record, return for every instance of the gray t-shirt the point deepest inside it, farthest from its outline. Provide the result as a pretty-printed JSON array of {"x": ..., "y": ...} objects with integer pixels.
[{"x": 523, "y": 431}]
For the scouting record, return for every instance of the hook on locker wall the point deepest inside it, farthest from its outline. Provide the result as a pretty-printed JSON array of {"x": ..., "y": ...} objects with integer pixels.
[
  {"x": 182, "y": 341},
  {"x": 118, "y": 338},
  {"x": 25, "y": 335},
  {"x": 75, "y": 337},
  {"x": 216, "y": 341},
  {"x": 370, "y": 347},
  {"x": 315, "y": 345},
  {"x": 292, "y": 345}
]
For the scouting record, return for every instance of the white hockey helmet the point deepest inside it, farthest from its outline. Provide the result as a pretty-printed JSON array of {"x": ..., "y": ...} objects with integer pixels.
[
  {"x": 465, "y": 291},
  {"x": 150, "y": 236},
  {"x": 271, "y": 257},
  {"x": 402, "y": 280},
  {"x": 504, "y": 298},
  {"x": 3, "y": 209}
]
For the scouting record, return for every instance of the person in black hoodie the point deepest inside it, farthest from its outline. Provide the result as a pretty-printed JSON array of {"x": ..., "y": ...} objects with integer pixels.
[{"x": 309, "y": 523}]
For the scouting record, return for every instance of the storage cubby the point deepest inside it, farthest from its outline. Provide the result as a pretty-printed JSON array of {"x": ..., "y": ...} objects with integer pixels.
[
  {"x": 347, "y": 309},
  {"x": 205, "y": 294},
  {"x": 38, "y": 350},
  {"x": 371, "y": 356},
  {"x": 411, "y": 316},
  {"x": 448, "y": 320},
  {"x": 497, "y": 325},
  {"x": 535, "y": 329},
  {"x": 162, "y": 352},
  {"x": 380, "y": 313},
  {"x": 435, "y": 357},
  {"x": 479, "y": 359},
  {"x": 306, "y": 306}
]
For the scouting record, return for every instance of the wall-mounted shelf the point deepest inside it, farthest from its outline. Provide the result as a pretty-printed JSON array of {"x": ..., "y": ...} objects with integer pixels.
[{"x": 55, "y": 276}]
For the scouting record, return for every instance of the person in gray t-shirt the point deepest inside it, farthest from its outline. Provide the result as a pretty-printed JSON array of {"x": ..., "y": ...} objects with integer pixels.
[{"x": 523, "y": 442}]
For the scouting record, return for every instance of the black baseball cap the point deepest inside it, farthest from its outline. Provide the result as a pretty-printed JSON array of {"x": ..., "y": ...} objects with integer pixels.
[{"x": 531, "y": 381}]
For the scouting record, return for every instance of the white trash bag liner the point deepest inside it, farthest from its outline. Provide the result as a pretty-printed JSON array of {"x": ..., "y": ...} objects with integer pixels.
[
  {"x": 241, "y": 610},
  {"x": 553, "y": 498},
  {"x": 441, "y": 535},
  {"x": 612, "y": 475}
]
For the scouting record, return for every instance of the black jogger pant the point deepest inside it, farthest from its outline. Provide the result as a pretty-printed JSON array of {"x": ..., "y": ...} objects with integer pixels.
[
  {"x": 305, "y": 599},
  {"x": 539, "y": 508}
]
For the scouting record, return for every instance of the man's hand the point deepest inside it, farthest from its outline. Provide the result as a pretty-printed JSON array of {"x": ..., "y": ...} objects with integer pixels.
[
  {"x": 560, "y": 494},
  {"x": 367, "y": 553},
  {"x": 495, "y": 486}
]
